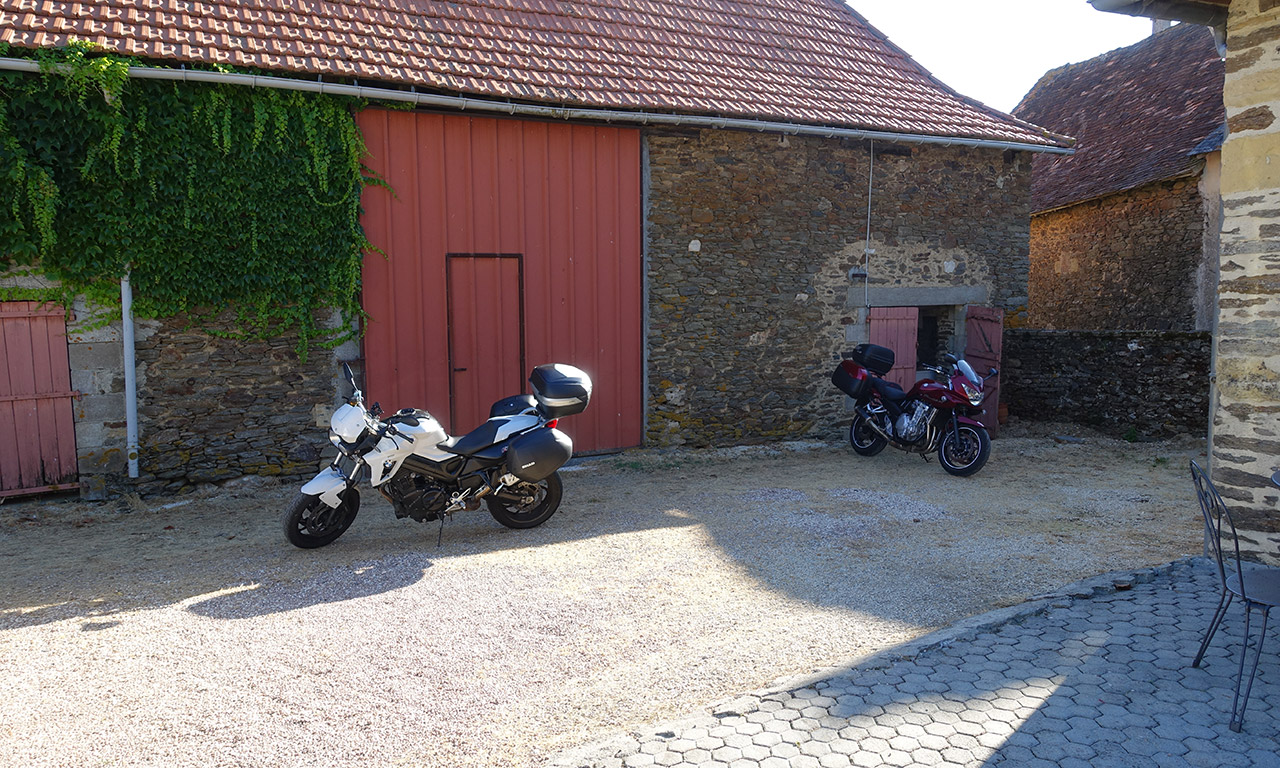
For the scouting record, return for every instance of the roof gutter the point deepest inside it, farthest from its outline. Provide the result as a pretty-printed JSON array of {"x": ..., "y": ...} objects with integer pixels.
[
  {"x": 1206, "y": 15},
  {"x": 536, "y": 110}
]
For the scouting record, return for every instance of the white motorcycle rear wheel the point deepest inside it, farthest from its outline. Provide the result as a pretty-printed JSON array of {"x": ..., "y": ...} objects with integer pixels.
[{"x": 527, "y": 505}]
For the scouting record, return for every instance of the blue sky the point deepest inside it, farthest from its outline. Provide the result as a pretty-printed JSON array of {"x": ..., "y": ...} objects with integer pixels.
[{"x": 995, "y": 50}]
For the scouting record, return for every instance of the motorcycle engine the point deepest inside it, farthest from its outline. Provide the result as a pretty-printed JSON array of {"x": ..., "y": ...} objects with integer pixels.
[
  {"x": 910, "y": 425},
  {"x": 415, "y": 496}
]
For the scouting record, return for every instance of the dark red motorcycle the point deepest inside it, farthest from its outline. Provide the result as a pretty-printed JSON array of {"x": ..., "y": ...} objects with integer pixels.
[{"x": 933, "y": 415}]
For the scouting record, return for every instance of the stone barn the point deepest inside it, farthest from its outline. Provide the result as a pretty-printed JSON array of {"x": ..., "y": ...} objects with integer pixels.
[
  {"x": 1124, "y": 233},
  {"x": 1246, "y": 400},
  {"x": 703, "y": 205}
]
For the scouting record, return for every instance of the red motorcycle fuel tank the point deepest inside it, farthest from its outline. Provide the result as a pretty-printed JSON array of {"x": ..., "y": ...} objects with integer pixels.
[{"x": 936, "y": 394}]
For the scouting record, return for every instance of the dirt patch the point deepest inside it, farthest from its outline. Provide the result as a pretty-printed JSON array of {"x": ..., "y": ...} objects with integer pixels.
[{"x": 185, "y": 631}]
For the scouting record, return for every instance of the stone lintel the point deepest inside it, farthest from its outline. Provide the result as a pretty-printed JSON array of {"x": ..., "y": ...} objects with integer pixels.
[{"x": 918, "y": 296}]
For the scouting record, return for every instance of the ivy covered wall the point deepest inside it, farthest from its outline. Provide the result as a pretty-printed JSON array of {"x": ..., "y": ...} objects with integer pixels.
[
  {"x": 236, "y": 211},
  {"x": 215, "y": 196}
]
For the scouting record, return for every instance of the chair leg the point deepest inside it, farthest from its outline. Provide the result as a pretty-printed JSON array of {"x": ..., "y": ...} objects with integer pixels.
[
  {"x": 1237, "y": 718},
  {"x": 1224, "y": 603}
]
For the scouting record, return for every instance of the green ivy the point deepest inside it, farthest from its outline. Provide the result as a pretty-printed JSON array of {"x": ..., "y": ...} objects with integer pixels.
[{"x": 214, "y": 197}]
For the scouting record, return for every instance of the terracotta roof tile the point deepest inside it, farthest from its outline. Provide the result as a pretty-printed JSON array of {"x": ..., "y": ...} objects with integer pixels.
[
  {"x": 813, "y": 61},
  {"x": 1138, "y": 114}
]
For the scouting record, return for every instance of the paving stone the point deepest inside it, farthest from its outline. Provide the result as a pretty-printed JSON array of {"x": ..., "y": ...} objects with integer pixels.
[
  {"x": 1099, "y": 682},
  {"x": 834, "y": 760},
  {"x": 755, "y": 752}
]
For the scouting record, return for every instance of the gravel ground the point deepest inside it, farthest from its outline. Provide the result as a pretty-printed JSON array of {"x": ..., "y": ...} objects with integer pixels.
[{"x": 186, "y": 632}]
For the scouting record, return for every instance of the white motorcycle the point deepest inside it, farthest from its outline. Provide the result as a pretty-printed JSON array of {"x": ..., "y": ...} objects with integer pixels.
[{"x": 510, "y": 461}]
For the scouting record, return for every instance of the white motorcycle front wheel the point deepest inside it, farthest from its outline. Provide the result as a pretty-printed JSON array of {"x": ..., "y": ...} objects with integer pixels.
[{"x": 310, "y": 523}]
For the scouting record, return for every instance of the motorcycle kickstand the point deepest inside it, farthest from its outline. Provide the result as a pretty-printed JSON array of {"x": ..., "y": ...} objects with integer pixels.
[{"x": 440, "y": 533}]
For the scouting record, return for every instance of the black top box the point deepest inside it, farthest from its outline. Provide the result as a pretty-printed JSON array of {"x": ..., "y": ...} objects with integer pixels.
[
  {"x": 874, "y": 358},
  {"x": 561, "y": 390}
]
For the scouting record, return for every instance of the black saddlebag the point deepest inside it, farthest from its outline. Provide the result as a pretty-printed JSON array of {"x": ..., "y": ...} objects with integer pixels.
[
  {"x": 561, "y": 390},
  {"x": 851, "y": 379},
  {"x": 874, "y": 358},
  {"x": 536, "y": 455}
]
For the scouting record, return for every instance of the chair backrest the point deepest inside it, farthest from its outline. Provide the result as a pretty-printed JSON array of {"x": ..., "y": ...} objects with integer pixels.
[{"x": 1217, "y": 525}]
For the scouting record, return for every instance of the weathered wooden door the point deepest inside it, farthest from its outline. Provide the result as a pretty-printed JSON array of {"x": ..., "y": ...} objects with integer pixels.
[
  {"x": 984, "y": 332},
  {"x": 37, "y": 433},
  {"x": 486, "y": 334},
  {"x": 896, "y": 328}
]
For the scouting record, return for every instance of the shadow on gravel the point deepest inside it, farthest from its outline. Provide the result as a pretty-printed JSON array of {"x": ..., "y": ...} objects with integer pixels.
[
  {"x": 819, "y": 525},
  {"x": 350, "y": 582}
]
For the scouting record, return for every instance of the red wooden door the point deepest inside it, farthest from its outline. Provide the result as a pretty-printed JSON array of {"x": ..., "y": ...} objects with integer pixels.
[
  {"x": 896, "y": 328},
  {"x": 486, "y": 350},
  {"x": 984, "y": 327},
  {"x": 565, "y": 197},
  {"x": 37, "y": 433}
]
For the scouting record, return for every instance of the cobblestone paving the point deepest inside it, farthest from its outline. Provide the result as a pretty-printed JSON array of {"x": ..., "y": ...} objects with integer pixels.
[{"x": 1094, "y": 677}]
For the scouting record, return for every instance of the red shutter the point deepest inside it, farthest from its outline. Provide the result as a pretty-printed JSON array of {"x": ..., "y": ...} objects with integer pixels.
[
  {"x": 896, "y": 328},
  {"x": 984, "y": 328},
  {"x": 37, "y": 432}
]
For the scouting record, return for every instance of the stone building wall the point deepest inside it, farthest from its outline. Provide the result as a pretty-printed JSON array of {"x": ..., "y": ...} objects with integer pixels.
[
  {"x": 1128, "y": 260},
  {"x": 213, "y": 409},
  {"x": 1141, "y": 385},
  {"x": 750, "y": 242},
  {"x": 1246, "y": 418}
]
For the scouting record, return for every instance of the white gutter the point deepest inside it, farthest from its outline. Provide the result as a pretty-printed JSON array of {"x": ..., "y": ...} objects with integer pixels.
[
  {"x": 130, "y": 374},
  {"x": 537, "y": 110}
]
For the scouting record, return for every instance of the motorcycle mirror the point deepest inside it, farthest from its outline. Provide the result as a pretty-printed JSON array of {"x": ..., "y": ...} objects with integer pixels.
[{"x": 950, "y": 358}]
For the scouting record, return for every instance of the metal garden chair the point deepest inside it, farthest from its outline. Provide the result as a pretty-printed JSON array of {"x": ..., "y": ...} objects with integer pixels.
[{"x": 1256, "y": 587}]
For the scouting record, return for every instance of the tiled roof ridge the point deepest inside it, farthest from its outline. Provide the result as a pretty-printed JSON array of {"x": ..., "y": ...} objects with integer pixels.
[
  {"x": 1115, "y": 53},
  {"x": 1060, "y": 139},
  {"x": 1142, "y": 113},
  {"x": 788, "y": 60}
]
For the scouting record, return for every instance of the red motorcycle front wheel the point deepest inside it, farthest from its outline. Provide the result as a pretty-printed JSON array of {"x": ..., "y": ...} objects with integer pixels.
[{"x": 964, "y": 450}]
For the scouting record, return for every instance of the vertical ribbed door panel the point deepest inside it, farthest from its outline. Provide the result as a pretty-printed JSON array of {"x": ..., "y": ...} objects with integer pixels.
[{"x": 494, "y": 225}]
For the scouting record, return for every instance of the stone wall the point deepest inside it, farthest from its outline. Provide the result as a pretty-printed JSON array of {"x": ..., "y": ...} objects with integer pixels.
[
  {"x": 212, "y": 409},
  {"x": 1128, "y": 260},
  {"x": 1246, "y": 419},
  {"x": 750, "y": 242},
  {"x": 1138, "y": 385}
]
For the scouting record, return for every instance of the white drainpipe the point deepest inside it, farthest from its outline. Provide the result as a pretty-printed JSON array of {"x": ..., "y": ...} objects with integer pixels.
[{"x": 130, "y": 374}]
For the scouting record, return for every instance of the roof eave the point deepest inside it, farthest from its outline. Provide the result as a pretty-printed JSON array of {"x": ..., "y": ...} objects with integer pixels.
[
  {"x": 552, "y": 111},
  {"x": 1208, "y": 14}
]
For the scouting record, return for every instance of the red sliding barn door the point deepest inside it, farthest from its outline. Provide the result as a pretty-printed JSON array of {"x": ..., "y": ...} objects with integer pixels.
[{"x": 473, "y": 196}]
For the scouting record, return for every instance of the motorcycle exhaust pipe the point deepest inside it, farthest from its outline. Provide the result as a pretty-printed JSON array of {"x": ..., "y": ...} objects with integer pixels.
[{"x": 866, "y": 416}]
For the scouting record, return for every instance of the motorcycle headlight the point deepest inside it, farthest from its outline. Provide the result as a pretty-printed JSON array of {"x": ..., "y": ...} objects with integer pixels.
[
  {"x": 348, "y": 423},
  {"x": 973, "y": 393}
]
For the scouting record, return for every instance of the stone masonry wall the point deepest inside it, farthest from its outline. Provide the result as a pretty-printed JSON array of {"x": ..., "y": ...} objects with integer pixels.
[
  {"x": 750, "y": 242},
  {"x": 1143, "y": 385},
  {"x": 1128, "y": 260},
  {"x": 212, "y": 409},
  {"x": 1246, "y": 418}
]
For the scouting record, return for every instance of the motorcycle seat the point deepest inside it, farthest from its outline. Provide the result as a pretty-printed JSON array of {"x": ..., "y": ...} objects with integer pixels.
[
  {"x": 475, "y": 441},
  {"x": 888, "y": 390}
]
